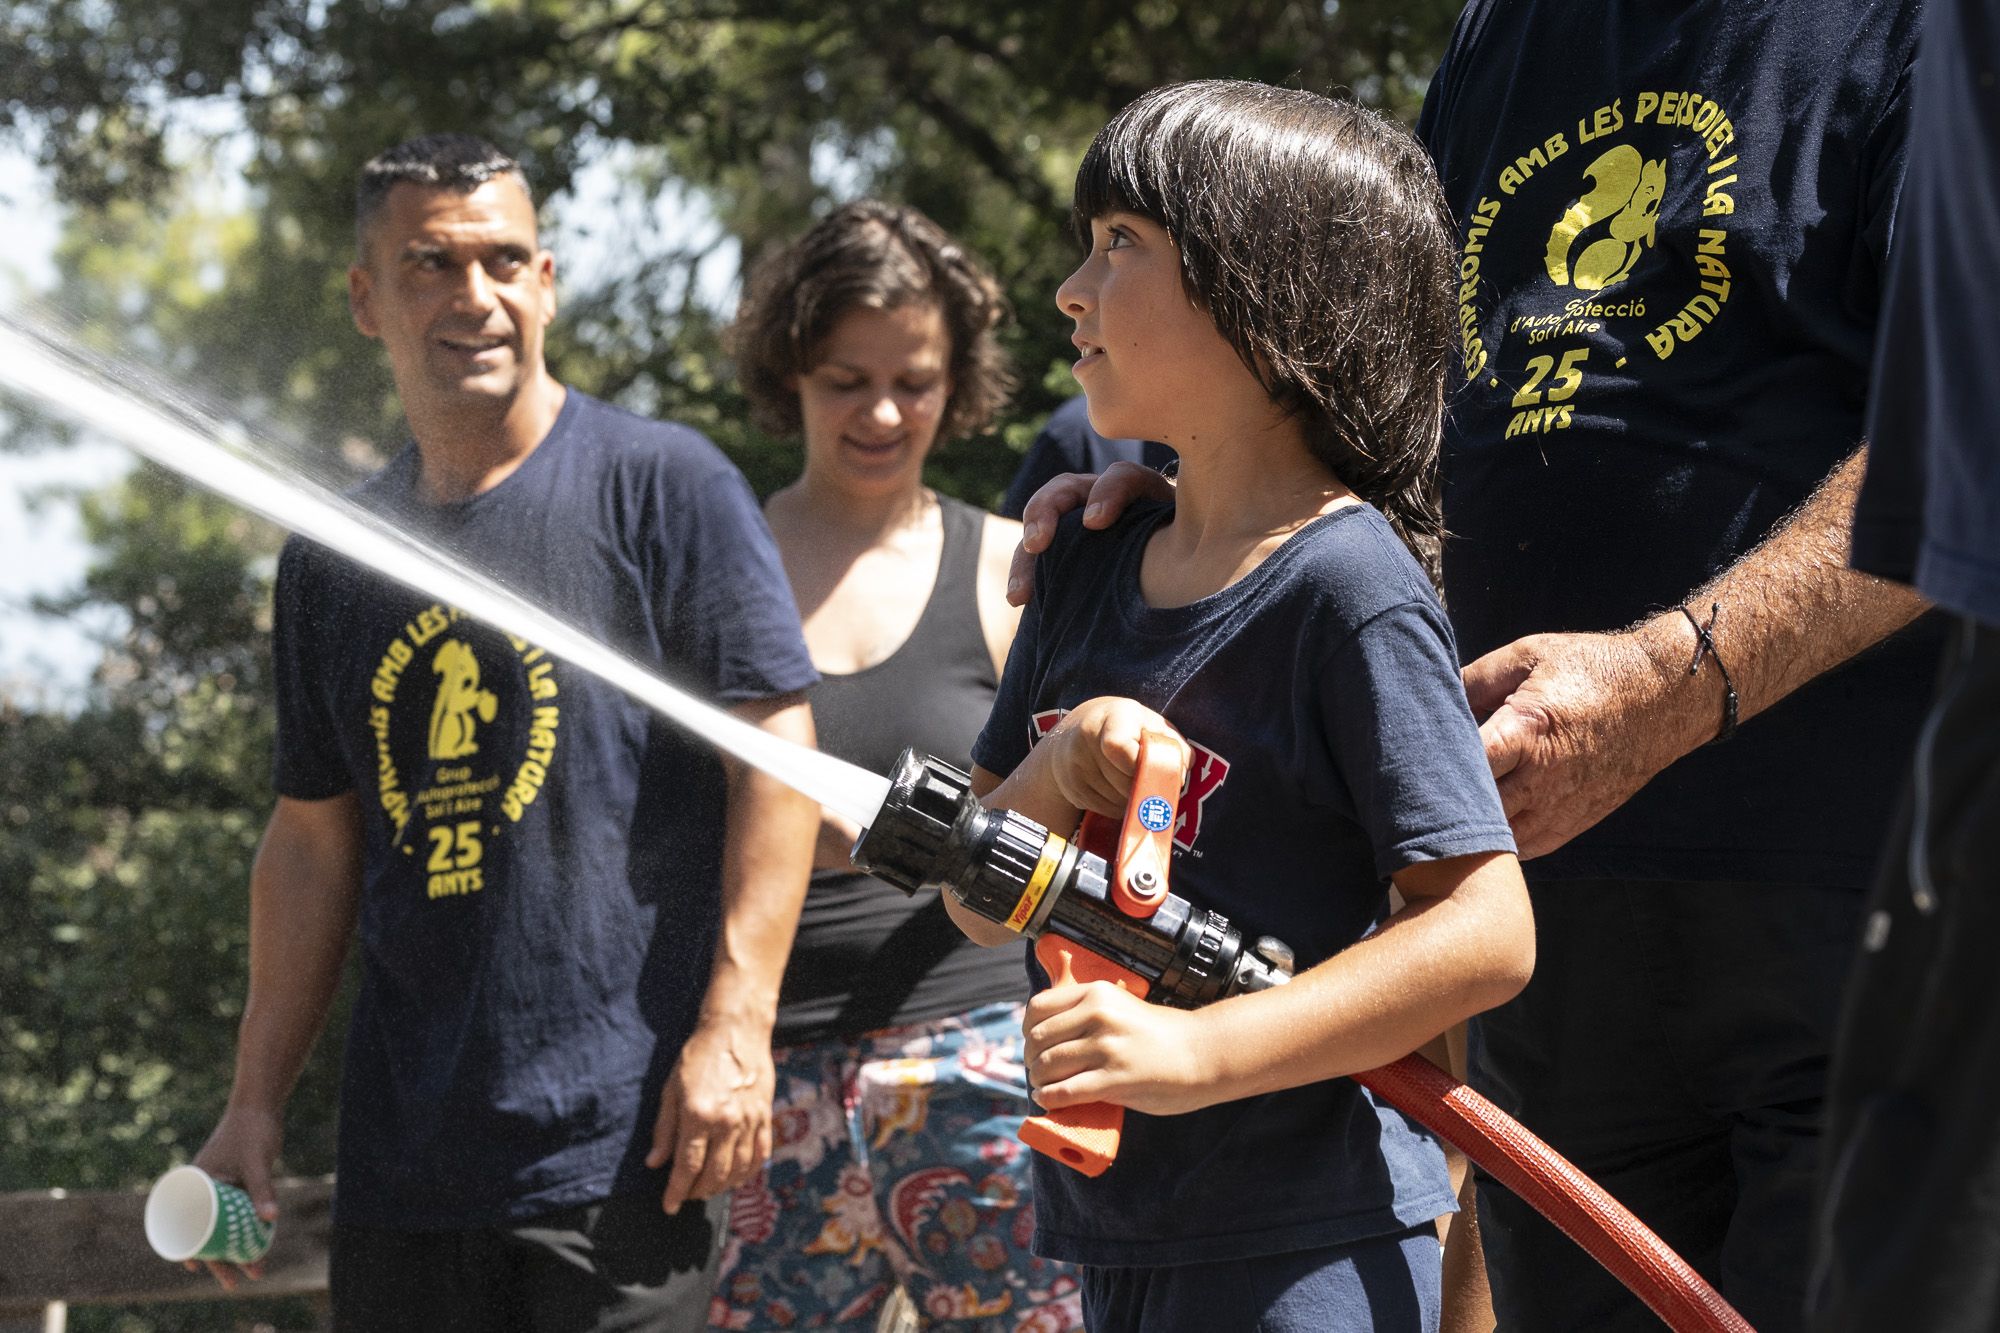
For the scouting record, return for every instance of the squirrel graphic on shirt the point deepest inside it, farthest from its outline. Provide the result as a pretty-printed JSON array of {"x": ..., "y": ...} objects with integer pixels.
[
  {"x": 459, "y": 699},
  {"x": 1624, "y": 202}
]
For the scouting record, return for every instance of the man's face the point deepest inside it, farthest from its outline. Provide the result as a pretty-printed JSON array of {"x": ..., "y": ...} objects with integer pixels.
[{"x": 458, "y": 290}]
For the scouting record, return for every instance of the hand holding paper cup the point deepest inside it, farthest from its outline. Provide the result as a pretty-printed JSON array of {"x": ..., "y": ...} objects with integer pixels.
[{"x": 192, "y": 1215}]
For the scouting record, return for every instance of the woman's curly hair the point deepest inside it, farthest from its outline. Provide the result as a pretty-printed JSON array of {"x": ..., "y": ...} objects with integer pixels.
[{"x": 876, "y": 256}]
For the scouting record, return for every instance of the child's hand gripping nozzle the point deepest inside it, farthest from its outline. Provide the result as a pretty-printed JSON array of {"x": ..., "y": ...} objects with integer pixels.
[{"x": 1097, "y": 908}]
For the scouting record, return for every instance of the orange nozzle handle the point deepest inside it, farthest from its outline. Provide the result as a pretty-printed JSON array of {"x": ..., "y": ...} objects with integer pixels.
[
  {"x": 1146, "y": 840},
  {"x": 1082, "y": 1137}
]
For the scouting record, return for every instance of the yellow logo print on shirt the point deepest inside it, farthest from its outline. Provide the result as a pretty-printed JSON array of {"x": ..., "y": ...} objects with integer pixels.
[
  {"x": 459, "y": 699},
  {"x": 1625, "y": 201},
  {"x": 1543, "y": 351},
  {"x": 451, "y": 800}
]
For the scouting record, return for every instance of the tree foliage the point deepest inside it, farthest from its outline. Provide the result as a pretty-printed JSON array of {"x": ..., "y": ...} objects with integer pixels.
[
  {"x": 126, "y": 826},
  {"x": 766, "y": 109},
  {"x": 125, "y": 829}
]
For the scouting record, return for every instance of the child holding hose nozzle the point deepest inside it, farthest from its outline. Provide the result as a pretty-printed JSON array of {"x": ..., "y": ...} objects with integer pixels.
[{"x": 1266, "y": 290}]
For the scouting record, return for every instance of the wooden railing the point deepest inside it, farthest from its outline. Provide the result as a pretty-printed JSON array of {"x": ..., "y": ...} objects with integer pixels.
[{"x": 60, "y": 1248}]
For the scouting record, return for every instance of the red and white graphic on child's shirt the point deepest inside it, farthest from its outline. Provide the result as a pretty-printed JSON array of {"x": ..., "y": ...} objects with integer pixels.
[{"x": 1207, "y": 771}]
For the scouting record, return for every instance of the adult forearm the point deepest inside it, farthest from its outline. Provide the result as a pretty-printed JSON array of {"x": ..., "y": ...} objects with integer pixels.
[
  {"x": 303, "y": 896},
  {"x": 834, "y": 842},
  {"x": 714, "y": 1122},
  {"x": 1786, "y": 612},
  {"x": 1575, "y": 723},
  {"x": 764, "y": 873},
  {"x": 767, "y": 859}
]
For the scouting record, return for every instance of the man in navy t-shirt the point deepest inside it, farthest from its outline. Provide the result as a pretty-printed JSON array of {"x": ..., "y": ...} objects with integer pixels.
[
  {"x": 1908, "y": 1234},
  {"x": 572, "y": 918},
  {"x": 1674, "y": 224}
]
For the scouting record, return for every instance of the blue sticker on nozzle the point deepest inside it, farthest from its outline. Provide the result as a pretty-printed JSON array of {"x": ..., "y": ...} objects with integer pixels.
[{"x": 1156, "y": 814}]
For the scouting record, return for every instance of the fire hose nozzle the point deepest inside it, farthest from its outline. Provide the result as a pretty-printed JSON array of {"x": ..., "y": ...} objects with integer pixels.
[{"x": 931, "y": 831}]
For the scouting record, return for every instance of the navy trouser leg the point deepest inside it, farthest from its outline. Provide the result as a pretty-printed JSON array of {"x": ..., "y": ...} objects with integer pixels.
[
  {"x": 1673, "y": 1044},
  {"x": 618, "y": 1266},
  {"x": 1385, "y": 1284},
  {"x": 622, "y": 1266},
  {"x": 1909, "y": 1223}
]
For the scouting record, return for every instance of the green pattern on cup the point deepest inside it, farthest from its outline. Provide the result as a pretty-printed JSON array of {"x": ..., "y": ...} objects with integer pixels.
[{"x": 240, "y": 1236}]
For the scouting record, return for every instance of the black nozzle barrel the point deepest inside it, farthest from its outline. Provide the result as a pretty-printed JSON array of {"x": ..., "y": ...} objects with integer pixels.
[{"x": 931, "y": 831}]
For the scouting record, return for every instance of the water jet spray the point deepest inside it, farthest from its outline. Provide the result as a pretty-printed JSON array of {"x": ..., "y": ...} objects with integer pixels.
[{"x": 44, "y": 365}]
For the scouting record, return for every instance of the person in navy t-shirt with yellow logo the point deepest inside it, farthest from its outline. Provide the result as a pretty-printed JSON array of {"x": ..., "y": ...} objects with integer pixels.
[
  {"x": 1674, "y": 222},
  {"x": 572, "y": 917}
]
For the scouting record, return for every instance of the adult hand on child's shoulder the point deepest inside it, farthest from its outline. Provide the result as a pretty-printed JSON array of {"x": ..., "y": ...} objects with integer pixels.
[
  {"x": 1575, "y": 724},
  {"x": 1103, "y": 497},
  {"x": 1097, "y": 1043}
]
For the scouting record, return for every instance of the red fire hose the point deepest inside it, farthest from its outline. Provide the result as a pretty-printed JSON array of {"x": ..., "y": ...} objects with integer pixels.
[{"x": 1558, "y": 1191}]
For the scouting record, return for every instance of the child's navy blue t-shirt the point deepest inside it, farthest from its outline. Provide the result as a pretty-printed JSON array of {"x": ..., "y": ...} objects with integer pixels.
[
  {"x": 1333, "y": 746},
  {"x": 541, "y": 853}
]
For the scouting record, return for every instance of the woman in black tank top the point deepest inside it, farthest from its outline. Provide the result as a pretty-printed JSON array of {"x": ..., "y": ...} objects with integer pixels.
[{"x": 899, "y": 1041}]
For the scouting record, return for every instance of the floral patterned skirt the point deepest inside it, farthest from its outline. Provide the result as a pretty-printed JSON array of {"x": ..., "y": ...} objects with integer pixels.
[{"x": 895, "y": 1162}]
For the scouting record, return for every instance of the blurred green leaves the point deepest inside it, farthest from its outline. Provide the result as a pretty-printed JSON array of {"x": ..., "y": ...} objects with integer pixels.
[{"x": 764, "y": 111}]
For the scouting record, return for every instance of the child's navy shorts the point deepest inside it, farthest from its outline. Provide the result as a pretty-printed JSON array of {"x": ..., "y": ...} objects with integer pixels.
[{"x": 1385, "y": 1284}]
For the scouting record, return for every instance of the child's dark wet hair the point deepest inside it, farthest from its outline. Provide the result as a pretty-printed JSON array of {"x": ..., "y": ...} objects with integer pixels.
[{"x": 1313, "y": 232}]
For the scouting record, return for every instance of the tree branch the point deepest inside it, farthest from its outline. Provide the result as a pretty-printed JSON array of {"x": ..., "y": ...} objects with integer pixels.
[{"x": 975, "y": 139}]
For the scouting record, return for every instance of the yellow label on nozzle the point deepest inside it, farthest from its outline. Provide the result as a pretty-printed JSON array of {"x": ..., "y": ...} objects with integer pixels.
[{"x": 1038, "y": 884}]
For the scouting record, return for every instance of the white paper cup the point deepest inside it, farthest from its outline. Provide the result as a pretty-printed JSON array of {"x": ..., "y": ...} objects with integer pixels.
[{"x": 192, "y": 1215}]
